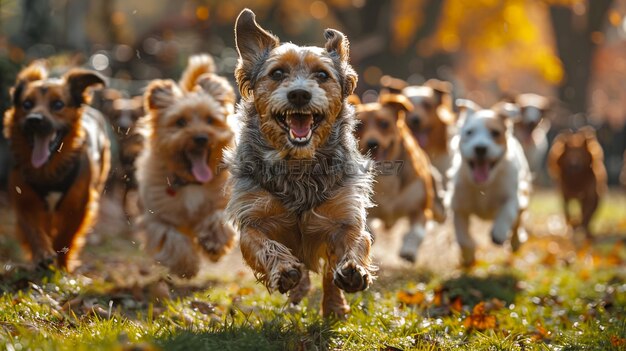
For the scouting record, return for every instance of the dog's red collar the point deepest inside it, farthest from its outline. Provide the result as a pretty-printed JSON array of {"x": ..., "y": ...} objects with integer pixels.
[{"x": 174, "y": 183}]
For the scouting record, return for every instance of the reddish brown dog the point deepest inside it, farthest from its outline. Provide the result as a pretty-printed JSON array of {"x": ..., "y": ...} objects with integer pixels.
[
  {"x": 61, "y": 153},
  {"x": 576, "y": 163}
]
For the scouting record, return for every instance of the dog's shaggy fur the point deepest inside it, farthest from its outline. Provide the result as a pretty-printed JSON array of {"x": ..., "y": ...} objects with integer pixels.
[
  {"x": 61, "y": 153},
  {"x": 408, "y": 190},
  {"x": 576, "y": 163},
  {"x": 299, "y": 192},
  {"x": 182, "y": 185},
  {"x": 491, "y": 178}
]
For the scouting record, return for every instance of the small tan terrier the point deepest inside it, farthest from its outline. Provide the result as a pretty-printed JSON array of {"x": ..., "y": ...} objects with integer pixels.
[{"x": 182, "y": 187}]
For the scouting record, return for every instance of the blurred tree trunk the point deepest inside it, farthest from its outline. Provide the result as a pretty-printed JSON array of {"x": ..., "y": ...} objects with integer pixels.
[
  {"x": 375, "y": 44},
  {"x": 576, "y": 48}
]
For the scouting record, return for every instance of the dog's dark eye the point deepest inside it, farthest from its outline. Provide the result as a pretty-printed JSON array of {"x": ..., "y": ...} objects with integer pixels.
[
  {"x": 28, "y": 104},
  {"x": 321, "y": 75},
  {"x": 209, "y": 120},
  {"x": 359, "y": 127},
  {"x": 277, "y": 74},
  {"x": 495, "y": 134},
  {"x": 181, "y": 122},
  {"x": 469, "y": 132},
  {"x": 383, "y": 124},
  {"x": 57, "y": 105}
]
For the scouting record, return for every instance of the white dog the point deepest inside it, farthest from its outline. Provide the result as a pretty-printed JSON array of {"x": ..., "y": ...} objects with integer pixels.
[{"x": 490, "y": 175}]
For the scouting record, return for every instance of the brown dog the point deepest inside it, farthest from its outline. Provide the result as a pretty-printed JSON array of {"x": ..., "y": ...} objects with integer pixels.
[
  {"x": 405, "y": 191},
  {"x": 576, "y": 163},
  {"x": 432, "y": 121},
  {"x": 182, "y": 188},
  {"x": 61, "y": 153},
  {"x": 122, "y": 114},
  {"x": 299, "y": 192}
]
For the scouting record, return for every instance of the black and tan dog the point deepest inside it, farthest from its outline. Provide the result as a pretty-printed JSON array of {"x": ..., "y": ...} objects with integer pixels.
[
  {"x": 61, "y": 153},
  {"x": 299, "y": 192}
]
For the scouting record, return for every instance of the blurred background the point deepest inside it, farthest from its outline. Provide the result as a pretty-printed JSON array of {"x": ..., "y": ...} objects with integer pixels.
[{"x": 571, "y": 50}]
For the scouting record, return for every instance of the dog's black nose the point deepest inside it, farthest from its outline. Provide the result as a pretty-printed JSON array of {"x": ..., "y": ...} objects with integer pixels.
[
  {"x": 36, "y": 122},
  {"x": 200, "y": 139},
  {"x": 299, "y": 97},
  {"x": 372, "y": 144},
  {"x": 480, "y": 151}
]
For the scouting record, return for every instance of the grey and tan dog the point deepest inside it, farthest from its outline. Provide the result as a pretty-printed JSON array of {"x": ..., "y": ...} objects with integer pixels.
[{"x": 299, "y": 190}]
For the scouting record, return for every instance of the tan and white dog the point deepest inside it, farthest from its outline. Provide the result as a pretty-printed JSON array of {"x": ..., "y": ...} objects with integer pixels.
[
  {"x": 532, "y": 128},
  {"x": 490, "y": 176}
]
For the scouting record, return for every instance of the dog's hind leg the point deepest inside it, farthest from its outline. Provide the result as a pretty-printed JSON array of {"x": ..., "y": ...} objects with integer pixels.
[
  {"x": 466, "y": 243},
  {"x": 589, "y": 205},
  {"x": 333, "y": 301}
]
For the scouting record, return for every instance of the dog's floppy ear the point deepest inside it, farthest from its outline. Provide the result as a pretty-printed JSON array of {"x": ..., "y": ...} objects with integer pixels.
[
  {"x": 442, "y": 90},
  {"x": 398, "y": 102},
  {"x": 557, "y": 149},
  {"x": 253, "y": 45},
  {"x": 37, "y": 70},
  {"x": 338, "y": 46},
  {"x": 161, "y": 94},
  {"x": 79, "y": 80},
  {"x": 466, "y": 109},
  {"x": 507, "y": 111}
]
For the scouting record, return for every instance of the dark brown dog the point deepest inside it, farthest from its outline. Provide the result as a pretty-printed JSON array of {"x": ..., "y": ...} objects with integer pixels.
[
  {"x": 299, "y": 192},
  {"x": 576, "y": 163},
  {"x": 61, "y": 153}
]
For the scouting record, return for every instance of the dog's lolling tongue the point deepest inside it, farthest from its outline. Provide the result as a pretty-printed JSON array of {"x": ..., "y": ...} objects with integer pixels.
[
  {"x": 480, "y": 171},
  {"x": 300, "y": 126},
  {"x": 199, "y": 167},
  {"x": 41, "y": 150}
]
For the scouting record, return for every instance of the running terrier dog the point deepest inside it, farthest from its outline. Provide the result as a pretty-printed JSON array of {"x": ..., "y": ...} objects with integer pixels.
[
  {"x": 491, "y": 178},
  {"x": 300, "y": 188},
  {"x": 182, "y": 185}
]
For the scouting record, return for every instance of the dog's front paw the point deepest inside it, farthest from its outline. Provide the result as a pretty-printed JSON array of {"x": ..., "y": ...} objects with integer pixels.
[
  {"x": 218, "y": 241},
  {"x": 351, "y": 277},
  {"x": 286, "y": 277},
  {"x": 498, "y": 237}
]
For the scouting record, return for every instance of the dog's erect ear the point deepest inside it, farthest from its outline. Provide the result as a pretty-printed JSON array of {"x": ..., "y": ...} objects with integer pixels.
[
  {"x": 253, "y": 45},
  {"x": 161, "y": 94},
  {"x": 37, "y": 70},
  {"x": 466, "y": 109},
  {"x": 396, "y": 101},
  {"x": 337, "y": 43},
  {"x": 79, "y": 80}
]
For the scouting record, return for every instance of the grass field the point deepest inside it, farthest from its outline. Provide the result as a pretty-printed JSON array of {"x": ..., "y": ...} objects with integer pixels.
[{"x": 552, "y": 295}]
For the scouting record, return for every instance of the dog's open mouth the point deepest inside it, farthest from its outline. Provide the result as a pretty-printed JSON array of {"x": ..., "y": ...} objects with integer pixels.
[
  {"x": 199, "y": 166},
  {"x": 481, "y": 169},
  {"x": 44, "y": 146},
  {"x": 299, "y": 125}
]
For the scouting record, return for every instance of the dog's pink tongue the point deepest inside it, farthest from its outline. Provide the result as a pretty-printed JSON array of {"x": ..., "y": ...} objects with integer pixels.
[
  {"x": 481, "y": 172},
  {"x": 200, "y": 169},
  {"x": 41, "y": 150},
  {"x": 300, "y": 127},
  {"x": 422, "y": 139}
]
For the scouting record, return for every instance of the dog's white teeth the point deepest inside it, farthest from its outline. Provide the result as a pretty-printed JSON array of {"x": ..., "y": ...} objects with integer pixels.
[
  {"x": 300, "y": 139},
  {"x": 291, "y": 135}
]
